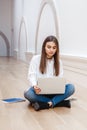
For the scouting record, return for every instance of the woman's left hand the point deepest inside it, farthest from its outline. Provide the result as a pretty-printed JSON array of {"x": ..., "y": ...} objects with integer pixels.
[{"x": 37, "y": 89}]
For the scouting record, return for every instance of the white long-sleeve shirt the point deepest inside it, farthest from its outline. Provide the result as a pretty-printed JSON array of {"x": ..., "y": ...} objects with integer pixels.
[{"x": 34, "y": 72}]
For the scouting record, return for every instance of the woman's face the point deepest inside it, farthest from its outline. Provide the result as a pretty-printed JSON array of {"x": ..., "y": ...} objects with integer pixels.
[{"x": 50, "y": 49}]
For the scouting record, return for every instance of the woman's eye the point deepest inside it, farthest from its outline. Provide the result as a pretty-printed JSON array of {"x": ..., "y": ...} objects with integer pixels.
[
  {"x": 48, "y": 47},
  {"x": 54, "y": 48}
]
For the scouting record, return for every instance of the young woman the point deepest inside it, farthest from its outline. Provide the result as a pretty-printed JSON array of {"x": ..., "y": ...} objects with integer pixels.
[{"x": 48, "y": 64}]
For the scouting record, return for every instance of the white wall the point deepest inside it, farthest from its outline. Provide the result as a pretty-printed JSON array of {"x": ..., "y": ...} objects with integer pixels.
[
  {"x": 73, "y": 26},
  {"x": 22, "y": 32},
  {"x": 30, "y": 13},
  {"x": 72, "y": 19},
  {"x": 5, "y": 26}
]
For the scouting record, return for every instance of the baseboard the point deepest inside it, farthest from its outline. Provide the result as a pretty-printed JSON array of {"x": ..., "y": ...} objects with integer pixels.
[{"x": 75, "y": 69}]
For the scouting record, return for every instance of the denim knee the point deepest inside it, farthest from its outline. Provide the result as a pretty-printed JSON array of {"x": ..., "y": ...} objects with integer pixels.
[
  {"x": 26, "y": 94},
  {"x": 30, "y": 94},
  {"x": 71, "y": 88}
]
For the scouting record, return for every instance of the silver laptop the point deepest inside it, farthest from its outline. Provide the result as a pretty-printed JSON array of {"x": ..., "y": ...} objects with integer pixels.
[{"x": 55, "y": 85}]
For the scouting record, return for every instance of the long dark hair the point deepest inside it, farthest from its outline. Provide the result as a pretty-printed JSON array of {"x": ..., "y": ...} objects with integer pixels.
[{"x": 42, "y": 66}]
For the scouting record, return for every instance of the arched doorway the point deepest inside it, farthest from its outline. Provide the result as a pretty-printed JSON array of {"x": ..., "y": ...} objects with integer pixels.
[
  {"x": 22, "y": 40},
  {"x": 52, "y": 5},
  {"x": 6, "y": 42}
]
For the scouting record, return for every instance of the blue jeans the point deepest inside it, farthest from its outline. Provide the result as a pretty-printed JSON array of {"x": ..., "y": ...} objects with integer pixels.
[{"x": 54, "y": 98}]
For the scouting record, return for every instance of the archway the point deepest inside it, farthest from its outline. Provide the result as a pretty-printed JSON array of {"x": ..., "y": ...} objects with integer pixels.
[
  {"x": 22, "y": 47},
  {"x": 6, "y": 42},
  {"x": 53, "y": 7}
]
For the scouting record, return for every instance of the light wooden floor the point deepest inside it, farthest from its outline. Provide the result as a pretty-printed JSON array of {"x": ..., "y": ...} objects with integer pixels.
[{"x": 20, "y": 116}]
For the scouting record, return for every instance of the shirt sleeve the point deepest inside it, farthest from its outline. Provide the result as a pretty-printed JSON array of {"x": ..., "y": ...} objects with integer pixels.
[{"x": 32, "y": 72}]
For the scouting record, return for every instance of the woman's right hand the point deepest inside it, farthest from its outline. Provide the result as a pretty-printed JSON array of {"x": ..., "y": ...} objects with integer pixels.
[{"x": 37, "y": 89}]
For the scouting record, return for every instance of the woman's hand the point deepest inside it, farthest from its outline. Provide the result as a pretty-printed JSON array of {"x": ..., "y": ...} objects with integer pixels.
[{"x": 37, "y": 89}]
